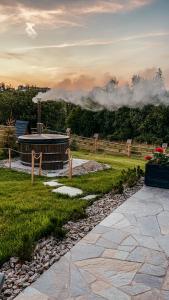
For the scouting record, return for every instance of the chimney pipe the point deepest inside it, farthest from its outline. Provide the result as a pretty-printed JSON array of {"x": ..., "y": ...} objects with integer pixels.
[{"x": 39, "y": 124}]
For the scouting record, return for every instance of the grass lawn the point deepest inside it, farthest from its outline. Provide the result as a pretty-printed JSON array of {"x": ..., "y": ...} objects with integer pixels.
[{"x": 27, "y": 209}]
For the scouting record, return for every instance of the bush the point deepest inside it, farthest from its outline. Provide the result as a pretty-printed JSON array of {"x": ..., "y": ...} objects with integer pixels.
[
  {"x": 131, "y": 176},
  {"x": 74, "y": 146},
  {"x": 55, "y": 228},
  {"x": 9, "y": 141},
  {"x": 118, "y": 187},
  {"x": 25, "y": 251}
]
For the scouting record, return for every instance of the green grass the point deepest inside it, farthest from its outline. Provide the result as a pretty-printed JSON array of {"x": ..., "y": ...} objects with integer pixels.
[
  {"x": 102, "y": 182},
  {"x": 27, "y": 209}
]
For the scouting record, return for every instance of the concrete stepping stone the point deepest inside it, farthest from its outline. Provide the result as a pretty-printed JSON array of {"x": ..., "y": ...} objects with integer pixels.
[
  {"x": 52, "y": 183},
  {"x": 89, "y": 197},
  {"x": 67, "y": 190}
]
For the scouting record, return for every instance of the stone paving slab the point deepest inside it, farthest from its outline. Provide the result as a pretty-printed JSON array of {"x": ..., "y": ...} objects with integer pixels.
[
  {"x": 67, "y": 190},
  {"x": 125, "y": 257}
]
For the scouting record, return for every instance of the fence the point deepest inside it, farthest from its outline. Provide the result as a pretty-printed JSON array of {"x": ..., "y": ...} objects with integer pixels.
[
  {"x": 118, "y": 148},
  {"x": 37, "y": 157}
]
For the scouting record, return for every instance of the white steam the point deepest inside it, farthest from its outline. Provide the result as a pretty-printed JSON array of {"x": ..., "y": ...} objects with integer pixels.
[{"x": 139, "y": 93}]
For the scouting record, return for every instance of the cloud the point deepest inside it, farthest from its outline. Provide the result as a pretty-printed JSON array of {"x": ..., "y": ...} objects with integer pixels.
[
  {"x": 93, "y": 42},
  {"x": 59, "y": 13},
  {"x": 31, "y": 32}
]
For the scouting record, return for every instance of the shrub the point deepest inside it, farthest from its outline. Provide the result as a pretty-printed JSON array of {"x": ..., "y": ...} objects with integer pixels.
[
  {"x": 25, "y": 251},
  {"x": 74, "y": 146},
  {"x": 55, "y": 228},
  {"x": 78, "y": 213},
  {"x": 9, "y": 141},
  {"x": 118, "y": 187}
]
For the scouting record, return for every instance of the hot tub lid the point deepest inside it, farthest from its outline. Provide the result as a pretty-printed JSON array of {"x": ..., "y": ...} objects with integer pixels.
[{"x": 43, "y": 139}]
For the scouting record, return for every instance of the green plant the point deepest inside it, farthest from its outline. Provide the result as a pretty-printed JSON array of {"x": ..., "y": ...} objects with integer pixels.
[
  {"x": 26, "y": 248},
  {"x": 55, "y": 227},
  {"x": 118, "y": 187},
  {"x": 9, "y": 141},
  {"x": 74, "y": 145}
]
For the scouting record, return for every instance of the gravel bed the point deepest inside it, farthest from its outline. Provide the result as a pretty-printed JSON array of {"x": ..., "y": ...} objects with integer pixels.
[{"x": 48, "y": 251}]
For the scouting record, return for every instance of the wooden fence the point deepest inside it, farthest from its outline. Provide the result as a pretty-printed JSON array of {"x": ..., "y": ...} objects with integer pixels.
[
  {"x": 117, "y": 148},
  {"x": 99, "y": 145}
]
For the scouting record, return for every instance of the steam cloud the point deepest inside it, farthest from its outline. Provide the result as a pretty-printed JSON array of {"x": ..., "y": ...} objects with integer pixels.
[{"x": 111, "y": 96}]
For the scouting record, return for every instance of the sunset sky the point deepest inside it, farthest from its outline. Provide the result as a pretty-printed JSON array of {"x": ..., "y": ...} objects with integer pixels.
[{"x": 82, "y": 43}]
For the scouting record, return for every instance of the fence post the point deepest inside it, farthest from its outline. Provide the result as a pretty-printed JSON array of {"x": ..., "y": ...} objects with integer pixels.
[
  {"x": 70, "y": 163},
  {"x": 33, "y": 166},
  {"x": 9, "y": 154},
  {"x": 40, "y": 164},
  {"x": 129, "y": 142},
  {"x": 96, "y": 136}
]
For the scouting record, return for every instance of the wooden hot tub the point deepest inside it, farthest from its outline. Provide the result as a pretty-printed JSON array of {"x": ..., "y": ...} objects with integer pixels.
[{"x": 52, "y": 146}]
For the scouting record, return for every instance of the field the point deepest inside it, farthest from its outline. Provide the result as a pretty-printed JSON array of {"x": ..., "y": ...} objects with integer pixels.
[{"x": 27, "y": 209}]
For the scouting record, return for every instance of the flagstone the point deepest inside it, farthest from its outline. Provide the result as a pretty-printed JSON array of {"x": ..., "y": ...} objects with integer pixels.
[
  {"x": 149, "y": 280},
  {"x": 149, "y": 226},
  {"x": 135, "y": 289},
  {"x": 52, "y": 183},
  {"x": 112, "y": 253},
  {"x": 67, "y": 190},
  {"x": 166, "y": 282},
  {"x": 89, "y": 197},
  {"x": 113, "y": 294},
  {"x": 125, "y": 257},
  {"x": 163, "y": 220},
  {"x": 152, "y": 270}
]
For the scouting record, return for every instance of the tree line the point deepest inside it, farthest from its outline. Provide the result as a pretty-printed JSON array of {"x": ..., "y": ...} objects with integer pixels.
[{"x": 146, "y": 124}]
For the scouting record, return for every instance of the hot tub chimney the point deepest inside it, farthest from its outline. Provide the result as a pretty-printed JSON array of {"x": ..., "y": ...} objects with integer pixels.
[{"x": 39, "y": 124}]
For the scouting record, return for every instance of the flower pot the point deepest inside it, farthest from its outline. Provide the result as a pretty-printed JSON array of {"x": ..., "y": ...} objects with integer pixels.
[{"x": 157, "y": 175}]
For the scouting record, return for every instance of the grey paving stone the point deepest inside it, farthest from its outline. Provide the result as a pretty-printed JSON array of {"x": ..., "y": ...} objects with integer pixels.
[
  {"x": 148, "y": 226},
  {"x": 139, "y": 254},
  {"x": 107, "y": 244},
  {"x": 147, "y": 241},
  {"x": 129, "y": 241},
  {"x": 78, "y": 285},
  {"x": 164, "y": 295},
  {"x": 163, "y": 220},
  {"x": 52, "y": 183},
  {"x": 152, "y": 270},
  {"x": 139, "y": 207},
  {"x": 81, "y": 252},
  {"x": 164, "y": 243},
  {"x": 112, "y": 219},
  {"x": 135, "y": 289},
  {"x": 113, "y": 294},
  {"x": 67, "y": 190},
  {"x": 115, "y": 236},
  {"x": 122, "y": 278},
  {"x": 89, "y": 197},
  {"x": 150, "y": 281}
]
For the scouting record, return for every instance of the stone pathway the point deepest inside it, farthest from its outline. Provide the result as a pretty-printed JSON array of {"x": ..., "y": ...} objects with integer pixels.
[{"x": 125, "y": 257}]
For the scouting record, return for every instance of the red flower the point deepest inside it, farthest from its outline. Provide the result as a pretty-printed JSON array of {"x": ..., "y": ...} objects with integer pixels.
[
  {"x": 160, "y": 150},
  {"x": 148, "y": 157}
]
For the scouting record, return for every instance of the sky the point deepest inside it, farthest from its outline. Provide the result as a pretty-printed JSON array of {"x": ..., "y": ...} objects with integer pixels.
[{"x": 78, "y": 44}]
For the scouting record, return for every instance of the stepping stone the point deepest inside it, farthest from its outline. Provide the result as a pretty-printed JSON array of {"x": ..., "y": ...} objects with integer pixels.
[
  {"x": 52, "y": 183},
  {"x": 89, "y": 197},
  {"x": 67, "y": 190}
]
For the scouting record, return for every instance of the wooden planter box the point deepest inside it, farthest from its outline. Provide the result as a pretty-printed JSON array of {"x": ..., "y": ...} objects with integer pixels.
[{"x": 157, "y": 175}]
